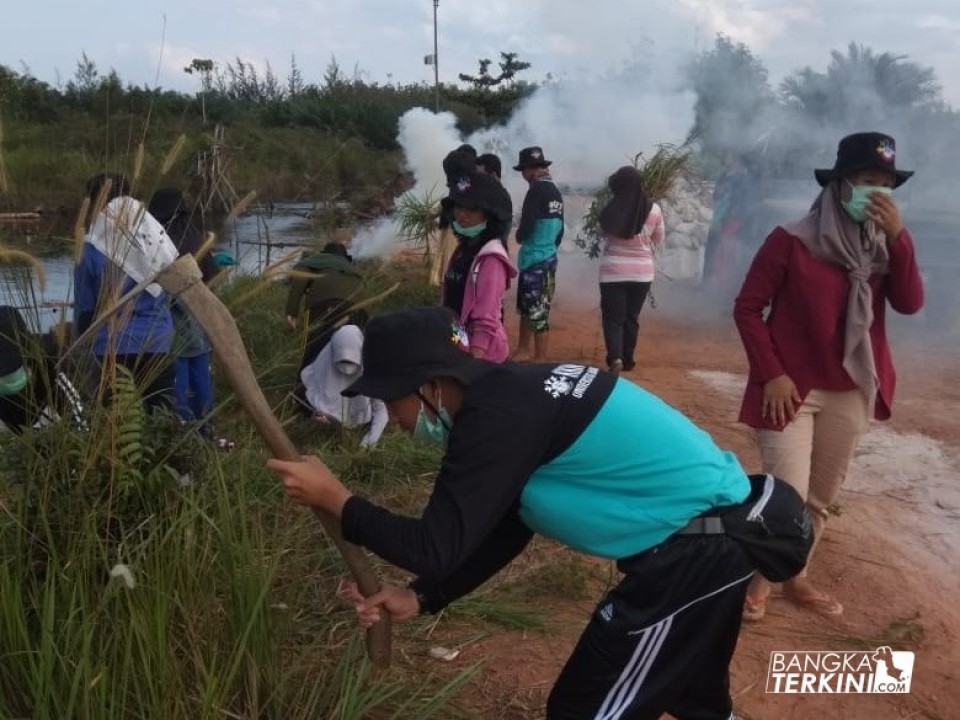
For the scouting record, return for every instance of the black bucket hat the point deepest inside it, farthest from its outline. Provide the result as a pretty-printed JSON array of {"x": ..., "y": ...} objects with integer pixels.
[
  {"x": 479, "y": 191},
  {"x": 490, "y": 164},
  {"x": 864, "y": 151},
  {"x": 405, "y": 349},
  {"x": 459, "y": 162},
  {"x": 532, "y": 157},
  {"x": 335, "y": 248}
]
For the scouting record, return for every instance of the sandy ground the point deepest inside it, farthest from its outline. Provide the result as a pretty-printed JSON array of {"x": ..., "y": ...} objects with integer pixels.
[{"x": 889, "y": 554}]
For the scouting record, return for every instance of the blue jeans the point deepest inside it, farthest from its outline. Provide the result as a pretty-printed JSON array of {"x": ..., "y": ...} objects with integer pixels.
[{"x": 193, "y": 387}]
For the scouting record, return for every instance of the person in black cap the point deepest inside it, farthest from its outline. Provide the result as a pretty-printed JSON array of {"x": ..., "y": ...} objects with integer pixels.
[
  {"x": 538, "y": 234},
  {"x": 594, "y": 462},
  {"x": 30, "y": 383},
  {"x": 490, "y": 164},
  {"x": 479, "y": 271},
  {"x": 457, "y": 163},
  {"x": 324, "y": 287},
  {"x": 820, "y": 365}
]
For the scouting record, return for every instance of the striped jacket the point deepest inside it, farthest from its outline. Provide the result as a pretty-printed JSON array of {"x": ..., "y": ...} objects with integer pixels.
[{"x": 631, "y": 259}]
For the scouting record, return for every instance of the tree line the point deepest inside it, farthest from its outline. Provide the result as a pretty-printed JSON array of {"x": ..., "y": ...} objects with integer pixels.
[
  {"x": 287, "y": 127},
  {"x": 342, "y": 103}
]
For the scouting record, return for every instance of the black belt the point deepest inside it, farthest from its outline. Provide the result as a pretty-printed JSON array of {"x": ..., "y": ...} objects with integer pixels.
[{"x": 711, "y": 525}]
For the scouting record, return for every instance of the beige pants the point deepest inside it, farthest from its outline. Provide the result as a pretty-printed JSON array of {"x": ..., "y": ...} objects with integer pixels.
[{"x": 813, "y": 452}]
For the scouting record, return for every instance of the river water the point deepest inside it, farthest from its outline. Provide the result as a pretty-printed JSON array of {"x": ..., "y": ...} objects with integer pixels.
[{"x": 256, "y": 240}]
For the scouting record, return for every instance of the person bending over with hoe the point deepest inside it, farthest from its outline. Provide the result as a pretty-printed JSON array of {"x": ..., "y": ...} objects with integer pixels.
[{"x": 597, "y": 463}]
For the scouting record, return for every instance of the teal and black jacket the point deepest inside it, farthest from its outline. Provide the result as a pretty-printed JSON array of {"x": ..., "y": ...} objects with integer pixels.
[
  {"x": 566, "y": 451},
  {"x": 541, "y": 224}
]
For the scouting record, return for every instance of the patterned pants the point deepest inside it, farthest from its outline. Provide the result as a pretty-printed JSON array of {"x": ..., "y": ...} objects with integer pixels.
[{"x": 535, "y": 288}]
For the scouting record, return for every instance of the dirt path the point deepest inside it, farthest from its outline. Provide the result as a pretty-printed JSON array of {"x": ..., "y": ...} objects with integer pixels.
[{"x": 889, "y": 555}]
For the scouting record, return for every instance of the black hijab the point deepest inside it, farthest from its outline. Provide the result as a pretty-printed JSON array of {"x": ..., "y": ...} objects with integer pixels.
[{"x": 626, "y": 212}]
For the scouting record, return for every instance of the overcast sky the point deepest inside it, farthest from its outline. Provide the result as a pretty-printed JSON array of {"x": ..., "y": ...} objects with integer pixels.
[{"x": 387, "y": 39}]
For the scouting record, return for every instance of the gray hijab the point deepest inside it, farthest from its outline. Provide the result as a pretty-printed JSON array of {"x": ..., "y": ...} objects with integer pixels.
[{"x": 830, "y": 234}]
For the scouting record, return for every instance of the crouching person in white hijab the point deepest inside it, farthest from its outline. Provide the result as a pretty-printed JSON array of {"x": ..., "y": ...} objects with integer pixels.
[{"x": 333, "y": 370}]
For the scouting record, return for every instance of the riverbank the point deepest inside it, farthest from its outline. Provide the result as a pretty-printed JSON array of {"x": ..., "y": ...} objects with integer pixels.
[{"x": 47, "y": 165}]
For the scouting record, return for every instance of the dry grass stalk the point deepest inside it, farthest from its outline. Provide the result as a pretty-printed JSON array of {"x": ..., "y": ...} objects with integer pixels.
[
  {"x": 80, "y": 229},
  {"x": 101, "y": 202},
  {"x": 241, "y": 206},
  {"x": 208, "y": 242},
  {"x": 138, "y": 162},
  {"x": 9, "y": 256},
  {"x": 173, "y": 153},
  {"x": 4, "y": 183}
]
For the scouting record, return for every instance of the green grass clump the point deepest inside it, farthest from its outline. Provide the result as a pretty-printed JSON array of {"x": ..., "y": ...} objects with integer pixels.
[
  {"x": 660, "y": 172},
  {"x": 416, "y": 217},
  {"x": 147, "y": 575}
]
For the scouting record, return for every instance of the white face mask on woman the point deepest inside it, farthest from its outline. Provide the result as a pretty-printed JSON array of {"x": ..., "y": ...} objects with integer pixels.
[{"x": 856, "y": 206}]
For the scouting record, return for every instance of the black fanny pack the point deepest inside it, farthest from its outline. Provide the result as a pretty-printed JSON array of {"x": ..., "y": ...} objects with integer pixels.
[{"x": 772, "y": 526}]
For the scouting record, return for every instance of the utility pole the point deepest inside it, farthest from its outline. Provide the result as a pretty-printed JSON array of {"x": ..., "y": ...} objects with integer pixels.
[{"x": 436, "y": 60}]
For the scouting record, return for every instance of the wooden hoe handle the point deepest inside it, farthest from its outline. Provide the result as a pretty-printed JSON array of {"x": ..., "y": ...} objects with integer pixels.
[{"x": 183, "y": 280}]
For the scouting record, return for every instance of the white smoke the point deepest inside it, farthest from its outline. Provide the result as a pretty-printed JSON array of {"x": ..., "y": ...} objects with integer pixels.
[
  {"x": 426, "y": 138},
  {"x": 588, "y": 127}
]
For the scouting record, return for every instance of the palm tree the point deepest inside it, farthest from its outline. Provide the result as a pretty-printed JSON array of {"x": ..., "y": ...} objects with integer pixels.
[{"x": 859, "y": 85}]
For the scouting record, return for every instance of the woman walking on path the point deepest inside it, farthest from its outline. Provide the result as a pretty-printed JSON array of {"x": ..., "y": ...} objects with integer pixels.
[
  {"x": 632, "y": 226},
  {"x": 820, "y": 365}
]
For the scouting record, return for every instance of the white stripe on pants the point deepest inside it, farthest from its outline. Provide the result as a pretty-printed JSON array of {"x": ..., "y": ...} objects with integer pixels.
[{"x": 628, "y": 684}]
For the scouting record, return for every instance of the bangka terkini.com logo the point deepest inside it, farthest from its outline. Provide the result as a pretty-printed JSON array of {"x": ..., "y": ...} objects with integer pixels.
[{"x": 840, "y": 671}]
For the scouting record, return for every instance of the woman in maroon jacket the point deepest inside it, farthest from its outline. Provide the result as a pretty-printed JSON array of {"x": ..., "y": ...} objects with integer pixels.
[{"x": 820, "y": 365}]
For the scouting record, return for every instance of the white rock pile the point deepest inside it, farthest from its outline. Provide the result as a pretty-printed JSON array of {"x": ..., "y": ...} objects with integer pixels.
[{"x": 687, "y": 213}]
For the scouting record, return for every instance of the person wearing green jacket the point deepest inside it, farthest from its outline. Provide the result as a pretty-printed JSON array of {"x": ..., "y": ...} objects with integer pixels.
[{"x": 324, "y": 287}]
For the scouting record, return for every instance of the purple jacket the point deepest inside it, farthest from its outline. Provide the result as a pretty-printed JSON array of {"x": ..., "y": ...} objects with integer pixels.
[{"x": 482, "y": 309}]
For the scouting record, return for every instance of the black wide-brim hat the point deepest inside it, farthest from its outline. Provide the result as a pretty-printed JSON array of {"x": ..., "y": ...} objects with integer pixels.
[
  {"x": 479, "y": 191},
  {"x": 459, "y": 162},
  {"x": 532, "y": 157},
  {"x": 338, "y": 249},
  {"x": 406, "y": 349},
  {"x": 864, "y": 151}
]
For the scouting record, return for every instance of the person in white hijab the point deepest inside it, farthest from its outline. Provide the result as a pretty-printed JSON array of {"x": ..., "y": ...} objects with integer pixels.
[{"x": 333, "y": 370}]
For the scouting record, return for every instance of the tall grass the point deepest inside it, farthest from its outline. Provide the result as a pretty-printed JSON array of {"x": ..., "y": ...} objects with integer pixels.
[
  {"x": 212, "y": 610},
  {"x": 147, "y": 575}
]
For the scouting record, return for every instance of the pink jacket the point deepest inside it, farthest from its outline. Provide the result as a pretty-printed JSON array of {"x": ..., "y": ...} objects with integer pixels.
[{"x": 482, "y": 309}]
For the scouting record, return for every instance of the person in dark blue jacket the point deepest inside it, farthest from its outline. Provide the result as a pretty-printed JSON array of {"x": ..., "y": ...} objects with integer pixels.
[
  {"x": 192, "y": 352},
  {"x": 579, "y": 456},
  {"x": 140, "y": 333}
]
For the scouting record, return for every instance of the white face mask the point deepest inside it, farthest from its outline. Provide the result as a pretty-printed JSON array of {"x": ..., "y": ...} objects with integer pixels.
[{"x": 348, "y": 368}]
